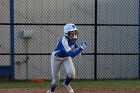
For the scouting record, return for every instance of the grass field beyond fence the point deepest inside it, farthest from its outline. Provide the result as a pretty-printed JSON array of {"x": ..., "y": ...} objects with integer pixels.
[{"x": 131, "y": 84}]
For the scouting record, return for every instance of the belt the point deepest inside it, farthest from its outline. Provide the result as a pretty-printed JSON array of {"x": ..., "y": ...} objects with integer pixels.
[{"x": 62, "y": 56}]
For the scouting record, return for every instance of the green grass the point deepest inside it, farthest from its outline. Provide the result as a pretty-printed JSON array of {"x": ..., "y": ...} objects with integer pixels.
[
  {"x": 108, "y": 84},
  {"x": 133, "y": 84}
]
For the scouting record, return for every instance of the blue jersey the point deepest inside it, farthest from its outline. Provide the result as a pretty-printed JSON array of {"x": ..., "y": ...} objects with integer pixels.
[{"x": 67, "y": 47}]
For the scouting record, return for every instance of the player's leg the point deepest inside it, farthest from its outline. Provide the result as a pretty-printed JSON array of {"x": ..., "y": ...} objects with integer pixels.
[
  {"x": 55, "y": 68},
  {"x": 70, "y": 69}
]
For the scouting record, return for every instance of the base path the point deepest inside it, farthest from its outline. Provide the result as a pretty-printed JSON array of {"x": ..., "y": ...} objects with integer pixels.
[{"x": 63, "y": 90}]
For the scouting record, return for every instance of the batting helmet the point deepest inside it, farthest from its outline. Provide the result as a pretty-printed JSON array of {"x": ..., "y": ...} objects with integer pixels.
[{"x": 69, "y": 27}]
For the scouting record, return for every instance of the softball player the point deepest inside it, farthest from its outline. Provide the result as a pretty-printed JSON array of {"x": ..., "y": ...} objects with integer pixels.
[{"x": 63, "y": 53}]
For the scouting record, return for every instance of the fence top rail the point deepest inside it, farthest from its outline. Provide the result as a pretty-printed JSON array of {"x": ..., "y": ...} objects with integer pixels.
[
  {"x": 62, "y": 24},
  {"x": 81, "y": 54}
]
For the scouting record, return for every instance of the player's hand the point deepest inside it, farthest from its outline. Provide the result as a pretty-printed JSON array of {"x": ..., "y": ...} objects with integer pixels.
[{"x": 84, "y": 44}]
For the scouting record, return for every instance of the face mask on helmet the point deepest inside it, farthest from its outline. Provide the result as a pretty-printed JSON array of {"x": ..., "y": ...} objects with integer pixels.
[{"x": 73, "y": 34}]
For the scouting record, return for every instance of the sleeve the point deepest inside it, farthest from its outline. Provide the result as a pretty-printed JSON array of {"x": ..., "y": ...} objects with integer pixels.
[
  {"x": 68, "y": 50},
  {"x": 73, "y": 53},
  {"x": 65, "y": 45}
]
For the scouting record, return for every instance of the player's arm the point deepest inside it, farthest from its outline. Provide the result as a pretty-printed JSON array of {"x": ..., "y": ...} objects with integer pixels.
[
  {"x": 69, "y": 51},
  {"x": 73, "y": 53}
]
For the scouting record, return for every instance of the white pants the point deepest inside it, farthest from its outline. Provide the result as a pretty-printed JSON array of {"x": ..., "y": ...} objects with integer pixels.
[{"x": 56, "y": 63}]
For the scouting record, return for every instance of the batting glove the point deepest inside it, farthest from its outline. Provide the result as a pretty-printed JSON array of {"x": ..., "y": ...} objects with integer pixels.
[{"x": 83, "y": 45}]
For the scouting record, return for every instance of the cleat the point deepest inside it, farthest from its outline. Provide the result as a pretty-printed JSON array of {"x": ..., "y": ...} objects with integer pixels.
[{"x": 69, "y": 88}]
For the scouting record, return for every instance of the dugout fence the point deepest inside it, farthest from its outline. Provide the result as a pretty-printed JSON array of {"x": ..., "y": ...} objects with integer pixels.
[{"x": 30, "y": 30}]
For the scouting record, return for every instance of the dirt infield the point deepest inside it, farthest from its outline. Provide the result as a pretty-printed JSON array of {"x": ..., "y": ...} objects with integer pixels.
[{"x": 62, "y": 90}]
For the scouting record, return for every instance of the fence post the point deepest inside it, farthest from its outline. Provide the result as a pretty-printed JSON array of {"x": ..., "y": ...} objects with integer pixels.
[
  {"x": 95, "y": 46},
  {"x": 139, "y": 39},
  {"x": 12, "y": 38}
]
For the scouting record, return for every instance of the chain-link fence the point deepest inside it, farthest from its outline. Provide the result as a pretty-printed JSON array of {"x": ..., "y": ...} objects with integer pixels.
[{"x": 111, "y": 28}]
